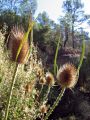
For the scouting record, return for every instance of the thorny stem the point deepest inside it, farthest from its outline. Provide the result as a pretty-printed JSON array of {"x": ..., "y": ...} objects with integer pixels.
[
  {"x": 11, "y": 91},
  {"x": 44, "y": 98},
  {"x": 56, "y": 55},
  {"x": 48, "y": 91},
  {"x": 55, "y": 104},
  {"x": 82, "y": 56},
  {"x": 41, "y": 89}
]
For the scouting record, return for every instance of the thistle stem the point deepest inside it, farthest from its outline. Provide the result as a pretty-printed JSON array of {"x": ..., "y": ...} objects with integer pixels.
[
  {"x": 11, "y": 91},
  {"x": 82, "y": 56},
  {"x": 55, "y": 104},
  {"x": 56, "y": 55},
  {"x": 48, "y": 91}
]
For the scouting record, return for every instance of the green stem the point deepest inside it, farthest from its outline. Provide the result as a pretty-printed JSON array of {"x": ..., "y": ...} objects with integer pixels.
[
  {"x": 44, "y": 93},
  {"x": 10, "y": 94},
  {"x": 55, "y": 104},
  {"x": 55, "y": 59},
  {"x": 81, "y": 57}
]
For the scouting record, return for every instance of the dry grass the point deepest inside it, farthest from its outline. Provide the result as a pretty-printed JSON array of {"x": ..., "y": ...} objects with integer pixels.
[{"x": 23, "y": 105}]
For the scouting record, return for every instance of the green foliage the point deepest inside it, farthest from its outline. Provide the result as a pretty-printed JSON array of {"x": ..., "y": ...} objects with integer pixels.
[
  {"x": 16, "y": 12},
  {"x": 19, "y": 6},
  {"x": 43, "y": 19},
  {"x": 73, "y": 18},
  {"x": 28, "y": 7},
  {"x": 82, "y": 55}
]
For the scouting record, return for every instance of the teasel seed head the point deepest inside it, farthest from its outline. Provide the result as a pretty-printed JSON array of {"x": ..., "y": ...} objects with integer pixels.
[
  {"x": 67, "y": 76},
  {"x": 29, "y": 86},
  {"x": 42, "y": 81},
  {"x": 39, "y": 72},
  {"x": 15, "y": 40},
  {"x": 49, "y": 79},
  {"x": 43, "y": 109}
]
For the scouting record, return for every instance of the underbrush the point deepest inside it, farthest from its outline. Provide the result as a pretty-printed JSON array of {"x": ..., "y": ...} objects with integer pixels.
[
  {"x": 24, "y": 92},
  {"x": 25, "y": 89}
]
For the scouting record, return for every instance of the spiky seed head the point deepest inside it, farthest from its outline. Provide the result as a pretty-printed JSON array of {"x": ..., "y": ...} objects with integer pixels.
[
  {"x": 43, "y": 109},
  {"x": 39, "y": 72},
  {"x": 15, "y": 40},
  {"x": 42, "y": 81},
  {"x": 67, "y": 75},
  {"x": 49, "y": 79},
  {"x": 29, "y": 87}
]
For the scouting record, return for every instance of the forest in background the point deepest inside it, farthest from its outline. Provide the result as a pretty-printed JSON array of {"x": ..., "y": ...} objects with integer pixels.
[
  {"x": 68, "y": 28},
  {"x": 46, "y": 32}
]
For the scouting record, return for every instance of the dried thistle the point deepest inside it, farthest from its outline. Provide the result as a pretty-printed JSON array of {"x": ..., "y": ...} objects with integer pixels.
[
  {"x": 16, "y": 36},
  {"x": 43, "y": 109},
  {"x": 42, "y": 81},
  {"x": 29, "y": 86},
  {"x": 66, "y": 75},
  {"x": 49, "y": 79},
  {"x": 39, "y": 72}
]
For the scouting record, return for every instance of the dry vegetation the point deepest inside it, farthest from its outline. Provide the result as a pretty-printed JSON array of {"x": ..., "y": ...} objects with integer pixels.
[{"x": 33, "y": 88}]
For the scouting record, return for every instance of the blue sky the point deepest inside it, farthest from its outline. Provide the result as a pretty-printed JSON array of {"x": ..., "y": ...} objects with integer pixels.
[{"x": 54, "y": 9}]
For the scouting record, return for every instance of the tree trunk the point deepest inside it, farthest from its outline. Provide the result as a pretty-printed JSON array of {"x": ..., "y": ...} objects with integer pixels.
[
  {"x": 73, "y": 42},
  {"x": 66, "y": 36}
]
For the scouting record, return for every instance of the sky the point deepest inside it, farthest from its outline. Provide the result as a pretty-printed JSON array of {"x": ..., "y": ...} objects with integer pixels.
[{"x": 54, "y": 9}]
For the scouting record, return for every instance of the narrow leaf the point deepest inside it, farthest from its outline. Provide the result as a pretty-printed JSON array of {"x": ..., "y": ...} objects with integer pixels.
[
  {"x": 24, "y": 38},
  {"x": 82, "y": 56}
]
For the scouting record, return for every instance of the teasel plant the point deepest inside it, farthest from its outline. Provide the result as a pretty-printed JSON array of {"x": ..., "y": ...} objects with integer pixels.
[
  {"x": 47, "y": 83},
  {"x": 19, "y": 52},
  {"x": 67, "y": 76}
]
